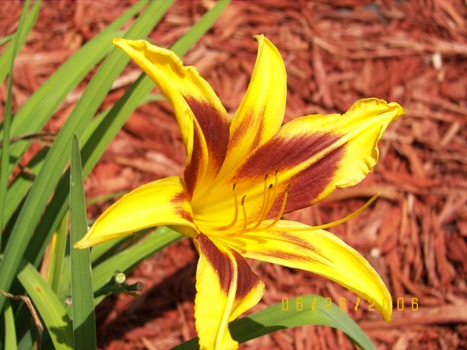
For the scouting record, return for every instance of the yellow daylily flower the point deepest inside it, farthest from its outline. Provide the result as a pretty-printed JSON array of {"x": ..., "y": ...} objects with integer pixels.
[{"x": 242, "y": 174}]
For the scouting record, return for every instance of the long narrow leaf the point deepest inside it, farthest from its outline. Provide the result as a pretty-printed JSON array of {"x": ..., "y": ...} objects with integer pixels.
[
  {"x": 105, "y": 133},
  {"x": 24, "y": 28},
  {"x": 84, "y": 320},
  {"x": 199, "y": 29},
  {"x": 5, "y": 159},
  {"x": 10, "y": 329},
  {"x": 47, "y": 98},
  {"x": 26, "y": 342},
  {"x": 6, "y": 39},
  {"x": 21, "y": 185},
  {"x": 56, "y": 265},
  {"x": 51, "y": 94},
  {"x": 51, "y": 310},
  {"x": 56, "y": 159},
  {"x": 301, "y": 311}
]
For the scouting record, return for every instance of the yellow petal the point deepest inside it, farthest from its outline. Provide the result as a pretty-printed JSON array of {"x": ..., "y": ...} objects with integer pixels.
[
  {"x": 226, "y": 287},
  {"x": 204, "y": 122},
  {"x": 315, "y": 154},
  {"x": 320, "y": 252},
  {"x": 158, "y": 203},
  {"x": 261, "y": 111}
]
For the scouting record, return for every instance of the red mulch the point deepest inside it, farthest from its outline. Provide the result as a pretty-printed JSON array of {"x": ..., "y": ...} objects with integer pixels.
[{"x": 413, "y": 52}]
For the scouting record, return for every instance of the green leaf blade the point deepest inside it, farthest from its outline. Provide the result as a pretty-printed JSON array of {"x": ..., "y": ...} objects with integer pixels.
[
  {"x": 56, "y": 159},
  {"x": 24, "y": 28},
  {"x": 48, "y": 97},
  {"x": 10, "y": 328},
  {"x": 51, "y": 310},
  {"x": 104, "y": 132},
  {"x": 277, "y": 317},
  {"x": 5, "y": 155},
  {"x": 84, "y": 320}
]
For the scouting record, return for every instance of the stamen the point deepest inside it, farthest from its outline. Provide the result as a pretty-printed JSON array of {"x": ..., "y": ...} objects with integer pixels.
[
  {"x": 269, "y": 198},
  {"x": 245, "y": 219},
  {"x": 348, "y": 217},
  {"x": 281, "y": 211},
  {"x": 268, "y": 201},
  {"x": 331, "y": 224},
  {"x": 262, "y": 213},
  {"x": 234, "y": 221},
  {"x": 275, "y": 191}
]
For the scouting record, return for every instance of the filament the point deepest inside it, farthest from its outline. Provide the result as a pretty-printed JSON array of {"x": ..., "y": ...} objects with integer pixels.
[
  {"x": 334, "y": 223},
  {"x": 234, "y": 221},
  {"x": 270, "y": 191},
  {"x": 268, "y": 201},
  {"x": 245, "y": 219},
  {"x": 266, "y": 195},
  {"x": 281, "y": 211}
]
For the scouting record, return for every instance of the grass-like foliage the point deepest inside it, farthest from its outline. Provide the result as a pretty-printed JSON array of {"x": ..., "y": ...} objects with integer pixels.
[{"x": 46, "y": 210}]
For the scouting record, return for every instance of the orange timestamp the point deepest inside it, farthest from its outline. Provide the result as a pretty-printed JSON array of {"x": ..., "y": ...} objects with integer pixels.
[{"x": 305, "y": 304}]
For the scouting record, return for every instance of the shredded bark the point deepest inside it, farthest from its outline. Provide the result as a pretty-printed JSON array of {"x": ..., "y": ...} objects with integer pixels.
[{"x": 412, "y": 52}]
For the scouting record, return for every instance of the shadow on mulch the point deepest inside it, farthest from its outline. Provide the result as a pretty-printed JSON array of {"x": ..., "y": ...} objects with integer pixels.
[{"x": 152, "y": 304}]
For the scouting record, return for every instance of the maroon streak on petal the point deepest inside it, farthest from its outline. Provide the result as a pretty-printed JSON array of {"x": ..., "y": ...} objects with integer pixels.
[
  {"x": 245, "y": 127},
  {"x": 309, "y": 184},
  {"x": 302, "y": 244},
  {"x": 178, "y": 201},
  {"x": 223, "y": 264},
  {"x": 215, "y": 128},
  {"x": 192, "y": 168},
  {"x": 220, "y": 262},
  {"x": 247, "y": 279},
  {"x": 281, "y": 153},
  {"x": 301, "y": 252}
]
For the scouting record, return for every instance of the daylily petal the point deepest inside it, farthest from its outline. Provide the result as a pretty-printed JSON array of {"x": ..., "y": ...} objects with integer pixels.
[
  {"x": 162, "y": 202},
  {"x": 226, "y": 287},
  {"x": 320, "y": 252},
  {"x": 315, "y": 154},
  {"x": 203, "y": 120},
  {"x": 261, "y": 112}
]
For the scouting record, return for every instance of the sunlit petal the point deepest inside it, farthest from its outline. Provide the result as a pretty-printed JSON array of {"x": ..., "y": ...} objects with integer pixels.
[
  {"x": 204, "y": 122},
  {"x": 320, "y": 252},
  {"x": 158, "y": 203},
  {"x": 315, "y": 154},
  {"x": 226, "y": 287},
  {"x": 261, "y": 112}
]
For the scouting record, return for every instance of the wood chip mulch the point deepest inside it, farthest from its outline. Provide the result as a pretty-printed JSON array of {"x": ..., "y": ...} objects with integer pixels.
[{"x": 412, "y": 52}]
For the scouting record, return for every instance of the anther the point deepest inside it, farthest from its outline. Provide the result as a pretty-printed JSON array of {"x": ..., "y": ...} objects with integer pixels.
[
  {"x": 235, "y": 218},
  {"x": 243, "y": 200},
  {"x": 268, "y": 201},
  {"x": 271, "y": 203},
  {"x": 266, "y": 205},
  {"x": 265, "y": 196},
  {"x": 281, "y": 210}
]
